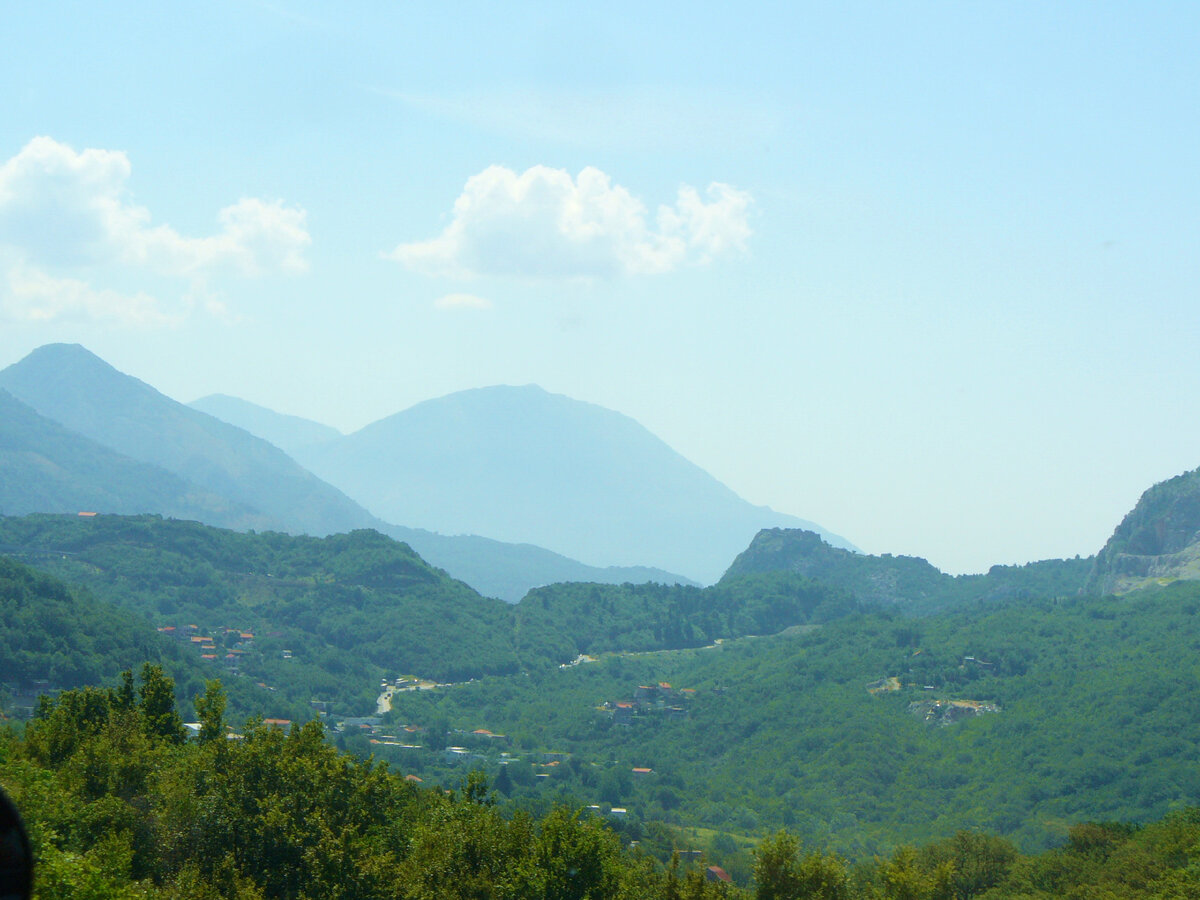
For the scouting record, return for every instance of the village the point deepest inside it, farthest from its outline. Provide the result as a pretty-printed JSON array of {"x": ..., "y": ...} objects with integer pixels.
[{"x": 938, "y": 711}]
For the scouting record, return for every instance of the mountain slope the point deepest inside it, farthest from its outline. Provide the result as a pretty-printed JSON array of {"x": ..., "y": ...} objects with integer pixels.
[
  {"x": 107, "y": 441},
  {"x": 520, "y": 464},
  {"x": 345, "y": 608},
  {"x": 288, "y": 433},
  {"x": 45, "y": 467},
  {"x": 68, "y": 384}
]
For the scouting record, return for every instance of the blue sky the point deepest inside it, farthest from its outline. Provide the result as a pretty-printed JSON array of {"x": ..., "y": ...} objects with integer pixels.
[{"x": 924, "y": 273}]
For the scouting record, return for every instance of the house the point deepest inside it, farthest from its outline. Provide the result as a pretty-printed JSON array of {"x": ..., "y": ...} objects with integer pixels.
[
  {"x": 716, "y": 873},
  {"x": 639, "y": 771},
  {"x": 284, "y": 724}
]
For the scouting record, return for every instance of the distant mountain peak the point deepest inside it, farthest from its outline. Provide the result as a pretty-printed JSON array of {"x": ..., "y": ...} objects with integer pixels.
[{"x": 525, "y": 465}]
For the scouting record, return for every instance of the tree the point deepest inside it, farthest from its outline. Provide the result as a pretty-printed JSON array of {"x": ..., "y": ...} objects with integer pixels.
[
  {"x": 159, "y": 718},
  {"x": 210, "y": 710},
  {"x": 780, "y": 873}
]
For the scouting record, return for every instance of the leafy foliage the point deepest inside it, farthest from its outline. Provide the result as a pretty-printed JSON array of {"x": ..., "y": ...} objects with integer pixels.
[{"x": 116, "y": 809}]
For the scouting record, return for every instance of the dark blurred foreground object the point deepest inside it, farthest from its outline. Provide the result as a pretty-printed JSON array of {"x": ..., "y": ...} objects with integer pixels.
[{"x": 16, "y": 860}]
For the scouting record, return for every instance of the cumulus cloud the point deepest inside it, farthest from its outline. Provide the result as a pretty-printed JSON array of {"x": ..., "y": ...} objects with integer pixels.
[
  {"x": 543, "y": 223},
  {"x": 67, "y": 210},
  {"x": 462, "y": 301}
]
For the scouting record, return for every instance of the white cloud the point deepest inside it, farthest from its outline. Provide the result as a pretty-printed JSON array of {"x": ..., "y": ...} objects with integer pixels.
[
  {"x": 62, "y": 209},
  {"x": 462, "y": 301},
  {"x": 545, "y": 224},
  {"x": 29, "y": 294}
]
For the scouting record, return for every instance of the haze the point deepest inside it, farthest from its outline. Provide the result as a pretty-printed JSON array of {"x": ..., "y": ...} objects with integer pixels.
[{"x": 925, "y": 274}]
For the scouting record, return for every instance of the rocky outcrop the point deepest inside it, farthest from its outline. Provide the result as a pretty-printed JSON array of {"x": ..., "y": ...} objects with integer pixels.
[{"x": 1157, "y": 542}]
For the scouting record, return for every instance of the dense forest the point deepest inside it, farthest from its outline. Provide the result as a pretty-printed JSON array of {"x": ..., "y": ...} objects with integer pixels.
[
  {"x": 348, "y": 609},
  {"x": 849, "y": 733},
  {"x": 119, "y": 804},
  {"x": 698, "y": 720}
]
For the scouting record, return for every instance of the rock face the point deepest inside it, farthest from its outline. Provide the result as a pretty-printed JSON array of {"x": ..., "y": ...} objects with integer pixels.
[{"x": 1159, "y": 540}]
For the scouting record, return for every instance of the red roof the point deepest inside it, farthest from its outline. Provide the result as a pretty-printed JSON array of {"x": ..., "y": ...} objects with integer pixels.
[
  {"x": 621, "y": 704},
  {"x": 87, "y": 514},
  {"x": 716, "y": 873}
]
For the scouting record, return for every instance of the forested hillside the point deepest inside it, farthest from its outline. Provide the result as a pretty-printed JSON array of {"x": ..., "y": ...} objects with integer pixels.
[
  {"x": 119, "y": 805},
  {"x": 328, "y": 615},
  {"x": 55, "y": 637},
  {"x": 907, "y": 582},
  {"x": 769, "y": 700},
  {"x": 875, "y": 730}
]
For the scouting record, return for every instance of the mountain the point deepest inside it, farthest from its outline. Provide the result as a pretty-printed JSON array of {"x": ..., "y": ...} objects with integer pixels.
[
  {"x": 289, "y": 433},
  {"x": 68, "y": 384},
  {"x": 1157, "y": 542},
  {"x": 45, "y": 467},
  {"x": 92, "y": 438},
  {"x": 509, "y": 571},
  {"x": 908, "y": 582},
  {"x": 524, "y": 465},
  {"x": 345, "y": 608}
]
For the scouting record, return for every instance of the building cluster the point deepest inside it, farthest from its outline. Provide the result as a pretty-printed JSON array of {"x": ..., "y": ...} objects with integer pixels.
[
  {"x": 224, "y": 646},
  {"x": 650, "y": 699},
  {"x": 950, "y": 712}
]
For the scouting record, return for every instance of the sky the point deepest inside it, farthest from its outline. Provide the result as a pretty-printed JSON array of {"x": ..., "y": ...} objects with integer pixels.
[{"x": 924, "y": 273}]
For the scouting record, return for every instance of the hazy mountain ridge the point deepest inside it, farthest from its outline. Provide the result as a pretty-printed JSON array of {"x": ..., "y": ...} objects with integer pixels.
[
  {"x": 70, "y": 385},
  {"x": 109, "y": 442},
  {"x": 46, "y": 467},
  {"x": 523, "y": 465},
  {"x": 289, "y": 433}
]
